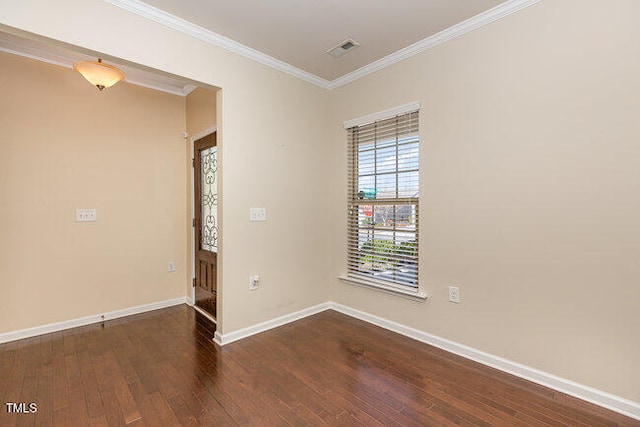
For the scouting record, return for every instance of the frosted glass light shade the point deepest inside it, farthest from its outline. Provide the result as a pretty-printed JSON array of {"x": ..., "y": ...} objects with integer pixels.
[{"x": 98, "y": 74}]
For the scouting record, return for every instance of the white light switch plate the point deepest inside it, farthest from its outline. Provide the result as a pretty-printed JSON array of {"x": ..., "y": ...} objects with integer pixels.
[
  {"x": 86, "y": 215},
  {"x": 257, "y": 214}
]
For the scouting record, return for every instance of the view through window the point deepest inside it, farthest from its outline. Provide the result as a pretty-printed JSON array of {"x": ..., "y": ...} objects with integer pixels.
[{"x": 383, "y": 201}]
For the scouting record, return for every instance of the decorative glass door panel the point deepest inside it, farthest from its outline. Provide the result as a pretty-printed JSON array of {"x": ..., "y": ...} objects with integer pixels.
[
  {"x": 205, "y": 184},
  {"x": 209, "y": 201}
]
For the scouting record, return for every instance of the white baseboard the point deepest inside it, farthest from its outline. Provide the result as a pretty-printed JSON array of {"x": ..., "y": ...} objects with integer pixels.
[
  {"x": 589, "y": 394},
  {"x": 595, "y": 396},
  {"x": 224, "y": 339},
  {"x": 82, "y": 321}
]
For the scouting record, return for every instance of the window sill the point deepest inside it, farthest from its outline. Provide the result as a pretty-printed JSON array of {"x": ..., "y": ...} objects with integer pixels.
[{"x": 371, "y": 284}]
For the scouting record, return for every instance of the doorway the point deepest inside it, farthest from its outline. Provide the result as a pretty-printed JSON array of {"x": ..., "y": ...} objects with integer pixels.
[{"x": 205, "y": 165}]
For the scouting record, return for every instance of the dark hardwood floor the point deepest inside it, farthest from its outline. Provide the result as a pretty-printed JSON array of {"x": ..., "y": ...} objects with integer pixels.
[
  {"x": 209, "y": 305},
  {"x": 161, "y": 368}
]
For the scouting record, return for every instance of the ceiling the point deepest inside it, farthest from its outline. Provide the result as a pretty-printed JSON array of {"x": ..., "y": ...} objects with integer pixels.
[
  {"x": 294, "y": 36},
  {"x": 299, "y": 32}
]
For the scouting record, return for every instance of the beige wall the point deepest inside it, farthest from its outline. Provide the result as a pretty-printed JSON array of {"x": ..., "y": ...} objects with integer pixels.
[
  {"x": 201, "y": 110},
  {"x": 272, "y": 130},
  {"x": 64, "y": 145},
  {"x": 530, "y": 172}
]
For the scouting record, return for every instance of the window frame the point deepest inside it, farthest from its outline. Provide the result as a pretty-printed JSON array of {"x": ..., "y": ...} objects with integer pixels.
[{"x": 355, "y": 202}]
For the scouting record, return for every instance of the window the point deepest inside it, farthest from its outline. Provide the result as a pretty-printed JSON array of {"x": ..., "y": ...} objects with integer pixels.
[{"x": 383, "y": 202}]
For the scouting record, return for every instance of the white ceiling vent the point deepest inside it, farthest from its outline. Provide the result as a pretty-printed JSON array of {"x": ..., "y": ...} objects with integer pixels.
[{"x": 343, "y": 48}]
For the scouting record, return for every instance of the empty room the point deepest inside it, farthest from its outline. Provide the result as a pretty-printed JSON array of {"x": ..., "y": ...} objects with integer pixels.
[{"x": 424, "y": 212}]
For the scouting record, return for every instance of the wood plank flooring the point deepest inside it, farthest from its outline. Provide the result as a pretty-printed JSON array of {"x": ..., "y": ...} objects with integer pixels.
[
  {"x": 162, "y": 369},
  {"x": 209, "y": 305}
]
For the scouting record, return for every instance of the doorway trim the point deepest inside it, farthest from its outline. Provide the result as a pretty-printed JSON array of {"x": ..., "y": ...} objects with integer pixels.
[{"x": 192, "y": 140}]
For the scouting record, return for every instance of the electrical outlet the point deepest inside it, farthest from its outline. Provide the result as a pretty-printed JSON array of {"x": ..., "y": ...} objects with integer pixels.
[
  {"x": 257, "y": 214},
  {"x": 254, "y": 281},
  {"x": 86, "y": 215},
  {"x": 171, "y": 267},
  {"x": 454, "y": 294}
]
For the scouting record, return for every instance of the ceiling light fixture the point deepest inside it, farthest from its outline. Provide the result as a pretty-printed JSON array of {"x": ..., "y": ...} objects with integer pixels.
[{"x": 99, "y": 74}]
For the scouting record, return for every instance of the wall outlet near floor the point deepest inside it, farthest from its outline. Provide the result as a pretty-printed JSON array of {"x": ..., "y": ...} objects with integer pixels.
[
  {"x": 454, "y": 294},
  {"x": 171, "y": 266},
  {"x": 254, "y": 281}
]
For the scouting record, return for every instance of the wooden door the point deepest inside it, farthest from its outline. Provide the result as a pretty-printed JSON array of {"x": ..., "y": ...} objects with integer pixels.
[{"x": 205, "y": 165}]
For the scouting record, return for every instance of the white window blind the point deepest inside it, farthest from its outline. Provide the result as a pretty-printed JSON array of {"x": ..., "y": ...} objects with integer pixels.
[{"x": 383, "y": 201}]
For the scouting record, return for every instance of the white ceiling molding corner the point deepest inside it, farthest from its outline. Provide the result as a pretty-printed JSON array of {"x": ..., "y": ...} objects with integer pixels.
[
  {"x": 484, "y": 18},
  {"x": 187, "y": 89},
  {"x": 142, "y": 9}
]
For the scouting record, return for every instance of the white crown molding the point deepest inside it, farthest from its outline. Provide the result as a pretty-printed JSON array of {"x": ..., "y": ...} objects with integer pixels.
[
  {"x": 149, "y": 12},
  {"x": 186, "y": 27},
  {"x": 49, "y": 60},
  {"x": 82, "y": 321},
  {"x": 187, "y": 89},
  {"x": 157, "y": 15},
  {"x": 382, "y": 115},
  {"x": 156, "y": 86},
  {"x": 208, "y": 36},
  {"x": 475, "y": 22},
  {"x": 50, "y": 57}
]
